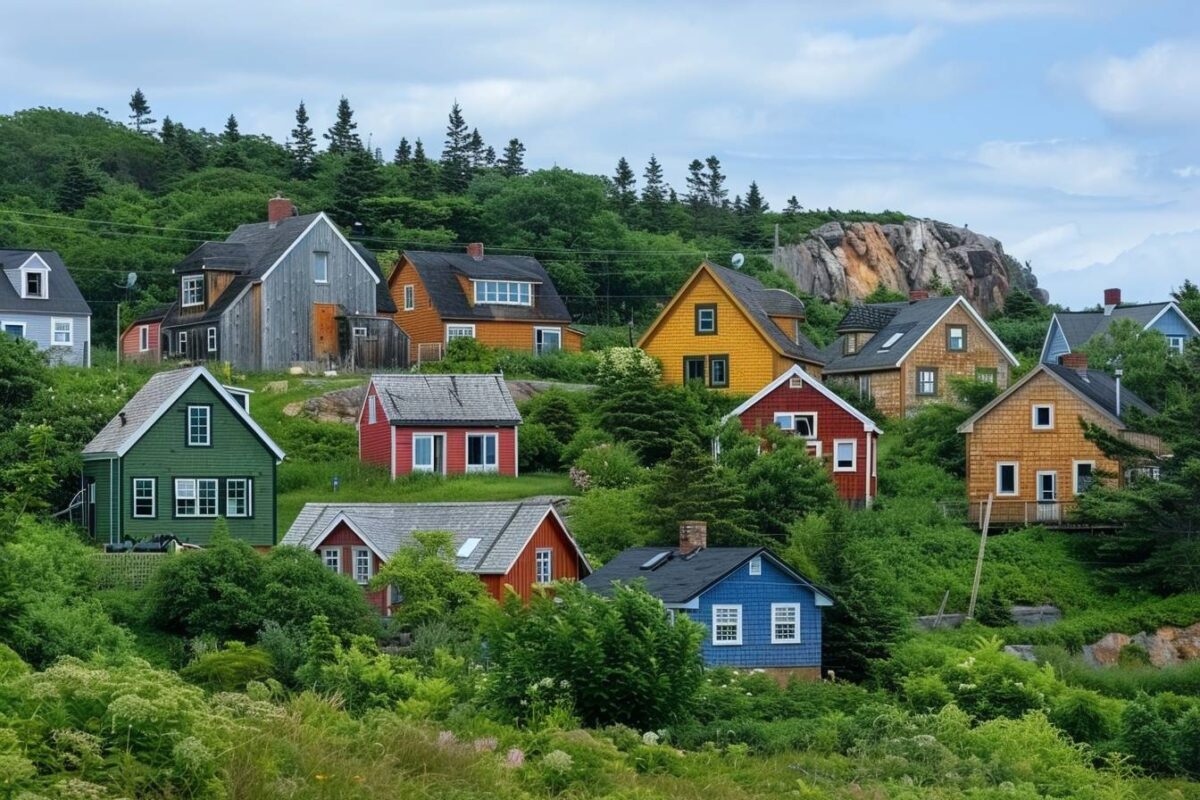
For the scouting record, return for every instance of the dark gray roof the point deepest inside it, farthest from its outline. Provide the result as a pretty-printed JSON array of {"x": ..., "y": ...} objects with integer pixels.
[
  {"x": 410, "y": 399},
  {"x": 264, "y": 243},
  {"x": 384, "y": 304},
  {"x": 762, "y": 303},
  {"x": 1101, "y": 389},
  {"x": 154, "y": 314},
  {"x": 911, "y": 320},
  {"x": 502, "y": 529},
  {"x": 64, "y": 295},
  {"x": 439, "y": 273},
  {"x": 872, "y": 317},
  {"x": 225, "y": 256},
  {"x": 1080, "y": 326}
]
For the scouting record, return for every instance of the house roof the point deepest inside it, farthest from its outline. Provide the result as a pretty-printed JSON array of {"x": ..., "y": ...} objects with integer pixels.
[
  {"x": 224, "y": 256},
  {"x": 797, "y": 372},
  {"x": 503, "y": 529},
  {"x": 763, "y": 303},
  {"x": 1078, "y": 327},
  {"x": 152, "y": 401},
  {"x": 64, "y": 295},
  {"x": 152, "y": 315},
  {"x": 440, "y": 271},
  {"x": 384, "y": 304},
  {"x": 415, "y": 399},
  {"x": 677, "y": 578}
]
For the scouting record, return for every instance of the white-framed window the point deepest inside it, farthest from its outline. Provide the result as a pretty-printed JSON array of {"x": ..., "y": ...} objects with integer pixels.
[
  {"x": 547, "y": 340},
  {"x": 1007, "y": 476},
  {"x": 199, "y": 426},
  {"x": 956, "y": 338},
  {"x": 196, "y": 497},
  {"x": 410, "y": 297},
  {"x": 144, "y": 503},
  {"x": 756, "y": 566},
  {"x": 331, "y": 557},
  {"x": 36, "y": 284},
  {"x": 212, "y": 339},
  {"x": 424, "y": 447},
  {"x": 1084, "y": 475},
  {"x": 238, "y": 497},
  {"x": 362, "y": 565},
  {"x": 358, "y": 332},
  {"x": 143, "y": 338},
  {"x": 726, "y": 625},
  {"x": 191, "y": 290},
  {"x": 803, "y": 424},
  {"x": 1047, "y": 487},
  {"x": 706, "y": 319},
  {"x": 1175, "y": 343},
  {"x": 320, "y": 267},
  {"x": 14, "y": 329},
  {"x": 459, "y": 332},
  {"x": 62, "y": 331},
  {"x": 785, "y": 623},
  {"x": 182, "y": 342},
  {"x": 926, "y": 381},
  {"x": 543, "y": 565},
  {"x": 845, "y": 455},
  {"x": 482, "y": 452},
  {"x": 512, "y": 293},
  {"x": 718, "y": 371},
  {"x": 371, "y": 412},
  {"x": 1042, "y": 416}
]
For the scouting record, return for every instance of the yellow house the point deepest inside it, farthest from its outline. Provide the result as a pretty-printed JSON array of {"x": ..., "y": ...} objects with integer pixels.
[{"x": 726, "y": 329}]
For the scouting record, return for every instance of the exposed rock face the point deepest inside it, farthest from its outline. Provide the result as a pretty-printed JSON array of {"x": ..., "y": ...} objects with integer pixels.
[
  {"x": 847, "y": 261},
  {"x": 1168, "y": 645}
]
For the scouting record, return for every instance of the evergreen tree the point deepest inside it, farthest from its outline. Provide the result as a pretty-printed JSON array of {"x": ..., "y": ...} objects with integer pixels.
[
  {"x": 697, "y": 186},
  {"x": 341, "y": 135},
  {"x": 654, "y": 195},
  {"x": 869, "y": 619},
  {"x": 231, "y": 134},
  {"x": 793, "y": 206},
  {"x": 141, "y": 112},
  {"x": 421, "y": 179},
  {"x": 717, "y": 193},
  {"x": 489, "y": 156},
  {"x": 512, "y": 163},
  {"x": 304, "y": 145},
  {"x": 403, "y": 156},
  {"x": 79, "y": 182},
  {"x": 755, "y": 204},
  {"x": 456, "y": 153},
  {"x": 690, "y": 486},
  {"x": 230, "y": 154},
  {"x": 477, "y": 150},
  {"x": 358, "y": 180},
  {"x": 624, "y": 192},
  {"x": 167, "y": 134}
]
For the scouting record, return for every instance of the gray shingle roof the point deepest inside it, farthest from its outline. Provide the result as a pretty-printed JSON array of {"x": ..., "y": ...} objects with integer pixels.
[
  {"x": 140, "y": 408},
  {"x": 1101, "y": 389},
  {"x": 911, "y": 320},
  {"x": 502, "y": 528},
  {"x": 384, "y": 304},
  {"x": 409, "y": 399},
  {"x": 1080, "y": 326},
  {"x": 761, "y": 303},
  {"x": 439, "y": 273},
  {"x": 225, "y": 256},
  {"x": 64, "y": 295},
  {"x": 870, "y": 317}
]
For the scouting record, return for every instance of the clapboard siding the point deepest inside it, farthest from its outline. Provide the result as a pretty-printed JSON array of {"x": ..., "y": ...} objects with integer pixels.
[
  {"x": 1172, "y": 323},
  {"x": 564, "y": 562},
  {"x": 241, "y": 343},
  {"x": 103, "y": 472},
  {"x": 37, "y": 330}
]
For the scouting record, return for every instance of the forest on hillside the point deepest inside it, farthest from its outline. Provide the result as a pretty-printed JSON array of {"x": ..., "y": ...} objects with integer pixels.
[{"x": 116, "y": 195}]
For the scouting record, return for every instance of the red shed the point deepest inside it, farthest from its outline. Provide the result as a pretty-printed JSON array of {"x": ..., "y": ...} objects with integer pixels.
[
  {"x": 844, "y": 437},
  {"x": 142, "y": 340},
  {"x": 517, "y": 544}
]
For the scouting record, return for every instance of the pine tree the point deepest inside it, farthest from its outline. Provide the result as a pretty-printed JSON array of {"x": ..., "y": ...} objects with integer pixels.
[
  {"x": 476, "y": 150},
  {"x": 79, "y": 182},
  {"x": 717, "y": 193},
  {"x": 421, "y": 179},
  {"x": 512, "y": 163},
  {"x": 403, "y": 154},
  {"x": 304, "y": 145},
  {"x": 755, "y": 204},
  {"x": 624, "y": 192},
  {"x": 230, "y": 153},
  {"x": 697, "y": 186},
  {"x": 167, "y": 134},
  {"x": 654, "y": 195},
  {"x": 141, "y": 112},
  {"x": 489, "y": 156},
  {"x": 358, "y": 180},
  {"x": 341, "y": 135},
  {"x": 231, "y": 134},
  {"x": 793, "y": 207},
  {"x": 456, "y": 153},
  {"x": 690, "y": 486}
]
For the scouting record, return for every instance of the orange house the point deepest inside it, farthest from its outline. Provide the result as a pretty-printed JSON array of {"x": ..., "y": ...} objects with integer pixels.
[
  {"x": 727, "y": 330},
  {"x": 501, "y": 301}
]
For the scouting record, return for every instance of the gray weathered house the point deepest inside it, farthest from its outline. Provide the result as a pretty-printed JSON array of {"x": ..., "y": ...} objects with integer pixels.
[
  {"x": 39, "y": 301},
  {"x": 291, "y": 290}
]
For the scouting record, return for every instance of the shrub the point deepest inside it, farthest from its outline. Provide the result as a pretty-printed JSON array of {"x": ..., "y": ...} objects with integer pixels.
[
  {"x": 538, "y": 450},
  {"x": 431, "y": 586},
  {"x": 585, "y": 438},
  {"x": 1086, "y": 716},
  {"x": 557, "y": 410},
  {"x": 229, "y": 670},
  {"x": 297, "y": 587},
  {"x": 608, "y": 466},
  {"x": 285, "y": 646},
  {"x": 1146, "y": 736},
  {"x": 606, "y": 521}
]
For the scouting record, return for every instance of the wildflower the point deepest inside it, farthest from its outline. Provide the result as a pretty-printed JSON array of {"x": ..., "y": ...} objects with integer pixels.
[
  {"x": 564, "y": 684},
  {"x": 320, "y": 776},
  {"x": 514, "y": 758},
  {"x": 446, "y": 739},
  {"x": 359, "y": 779},
  {"x": 484, "y": 745},
  {"x": 558, "y": 761},
  {"x": 650, "y": 738}
]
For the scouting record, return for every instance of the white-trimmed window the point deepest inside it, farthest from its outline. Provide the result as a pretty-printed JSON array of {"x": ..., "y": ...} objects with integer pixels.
[
  {"x": 1042, "y": 416},
  {"x": 143, "y": 338},
  {"x": 726, "y": 625},
  {"x": 191, "y": 290},
  {"x": 331, "y": 557},
  {"x": 358, "y": 332},
  {"x": 410, "y": 297},
  {"x": 1007, "y": 476},
  {"x": 320, "y": 267},
  {"x": 926, "y": 381},
  {"x": 803, "y": 425},
  {"x": 14, "y": 329},
  {"x": 547, "y": 340},
  {"x": 423, "y": 446},
  {"x": 482, "y": 452},
  {"x": 512, "y": 293},
  {"x": 1084, "y": 475},
  {"x": 36, "y": 284},
  {"x": 371, "y": 412},
  {"x": 196, "y": 497},
  {"x": 785, "y": 623},
  {"x": 543, "y": 565},
  {"x": 459, "y": 332},
  {"x": 845, "y": 455},
  {"x": 144, "y": 504},
  {"x": 1175, "y": 343},
  {"x": 238, "y": 497},
  {"x": 756, "y": 566},
  {"x": 183, "y": 342},
  {"x": 212, "y": 339},
  {"x": 956, "y": 338},
  {"x": 62, "y": 331},
  {"x": 362, "y": 565},
  {"x": 199, "y": 426}
]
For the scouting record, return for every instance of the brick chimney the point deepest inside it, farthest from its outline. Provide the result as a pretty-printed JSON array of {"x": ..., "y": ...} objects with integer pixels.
[
  {"x": 1112, "y": 299},
  {"x": 279, "y": 208},
  {"x": 917, "y": 294},
  {"x": 1075, "y": 361},
  {"x": 475, "y": 250},
  {"x": 693, "y": 536}
]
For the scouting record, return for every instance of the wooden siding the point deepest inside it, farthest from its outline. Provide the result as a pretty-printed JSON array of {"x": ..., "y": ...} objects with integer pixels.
[
  {"x": 105, "y": 473},
  {"x": 346, "y": 540},
  {"x": 519, "y": 335},
  {"x": 456, "y": 447},
  {"x": 981, "y": 353},
  {"x": 37, "y": 330},
  {"x": 374, "y": 440},
  {"x": 215, "y": 282},
  {"x": 131, "y": 341},
  {"x": 564, "y": 563},
  {"x": 423, "y": 324},
  {"x": 240, "y": 339},
  {"x": 385, "y": 346}
]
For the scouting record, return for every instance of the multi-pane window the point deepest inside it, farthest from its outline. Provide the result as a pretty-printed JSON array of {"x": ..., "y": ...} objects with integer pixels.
[
  {"x": 423, "y": 447},
  {"x": 358, "y": 332},
  {"x": 35, "y": 285},
  {"x": 543, "y": 571},
  {"x": 1175, "y": 343},
  {"x": 727, "y": 625},
  {"x": 62, "y": 331},
  {"x": 845, "y": 455},
  {"x": 513, "y": 293},
  {"x": 864, "y": 387},
  {"x": 718, "y": 371},
  {"x": 1006, "y": 479},
  {"x": 183, "y": 342},
  {"x": 785, "y": 623},
  {"x": 191, "y": 291},
  {"x": 693, "y": 369},
  {"x": 199, "y": 426},
  {"x": 212, "y": 340},
  {"x": 1083, "y": 476},
  {"x": 985, "y": 374},
  {"x": 547, "y": 340},
  {"x": 362, "y": 565},
  {"x": 803, "y": 425},
  {"x": 237, "y": 497},
  {"x": 143, "y": 498},
  {"x": 459, "y": 332},
  {"x": 196, "y": 497},
  {"x": 756, "y": 566},
  {"x": 706, "y": 319},
  {"x": 321, "y": 267},
  {"x": 1042, "y": 417},
  {"x": 481, "y": 452},
  {"x": 332, "y": 558},
  {"x": 926, "y": 381},
  {"x": 956, "y": 338},
  {"x": 410, "y": 297}
]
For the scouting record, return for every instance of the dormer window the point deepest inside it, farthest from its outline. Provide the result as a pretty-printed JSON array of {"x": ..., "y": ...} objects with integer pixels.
[
  {"x": 510, "y": 293},
  {"x": 35, "y": 284},
  {"x": 850, "y": 344},
  {"x": 191, "y": 291}
]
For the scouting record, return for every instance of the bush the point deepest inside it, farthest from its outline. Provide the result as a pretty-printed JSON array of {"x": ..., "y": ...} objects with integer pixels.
[
  {"x": 431, "y": 586},
  {"x": 557, "y": 410},
  {"x": 538, "y": 450},
  {"x": 298, "y": 587},
  {"x": 585, "y": 438},
  {"x": 606, "y": 521},
  {"x": 229, "y": 670},
  {"x": 608, "y": 466}
]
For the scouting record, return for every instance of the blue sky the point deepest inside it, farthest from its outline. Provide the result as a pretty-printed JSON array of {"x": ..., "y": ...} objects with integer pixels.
[{"x": 1066, "y": 129}]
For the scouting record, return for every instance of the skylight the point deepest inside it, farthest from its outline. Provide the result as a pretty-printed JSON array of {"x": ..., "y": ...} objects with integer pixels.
[
  {"x": 656, "y": 559},
  {"x": 468, "y": 547},
  {"x": 895, "y": 337}
]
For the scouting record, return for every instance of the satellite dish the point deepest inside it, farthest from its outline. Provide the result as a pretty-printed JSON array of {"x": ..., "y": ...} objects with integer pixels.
[
  {"x": 737, "y": 260},
  {"x": 130, "y": 280}
]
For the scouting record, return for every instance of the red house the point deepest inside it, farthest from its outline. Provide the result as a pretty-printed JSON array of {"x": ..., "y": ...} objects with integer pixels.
[
  {"x": 518, "y": 544},
  {"x": 142, "y": 340},
  {"x": 442, "y": 424},
  {"x": 845, "y": 438}
]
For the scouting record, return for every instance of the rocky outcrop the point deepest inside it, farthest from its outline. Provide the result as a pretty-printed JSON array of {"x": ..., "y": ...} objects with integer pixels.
[
  {"x": 1167, "y": 645},
  {"x": 848, "y": 261}
]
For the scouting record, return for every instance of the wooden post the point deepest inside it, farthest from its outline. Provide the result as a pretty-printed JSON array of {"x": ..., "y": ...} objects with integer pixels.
[
  {"x": 937, "y": 621},
  {"x": 983, "y": 532}
]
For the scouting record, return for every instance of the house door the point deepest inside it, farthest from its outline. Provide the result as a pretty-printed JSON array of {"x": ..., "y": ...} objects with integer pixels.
[
  {"x": 325, "y": 344},
  {"x": 89, "y": 505},
  {"x": 1047, "y": 497}
]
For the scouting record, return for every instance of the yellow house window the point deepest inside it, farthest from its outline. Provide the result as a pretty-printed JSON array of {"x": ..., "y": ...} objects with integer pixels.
[{"x": 706, "y": 319}]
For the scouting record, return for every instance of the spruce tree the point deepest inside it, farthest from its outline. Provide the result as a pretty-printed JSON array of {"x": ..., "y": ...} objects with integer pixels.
[
  {"x": 403, "y": 155},
  {"x": 624, "y": 192},
  {"x": 690, "y": 486},
  {"x": 717, "y": 193},
  {"x": 231, "y": 134},
  {"x": 755, "y": 204},
  {"x": 79, "y": 182},
  {"x": 230, "y": 154},
  {"x": 167, "y": 134},
  {"x": 793, "y": 206},
  {"x": 421, "y": 178},
  {"x": 489, "y": 156},
  {"x": 341, "y": 136},
  {"x": 512, "y": 163},
  {"x": 654, "y": 195},
  {"x": 304, "y": 145},
  {"x": 456, "y": 154},
  {"x": 697, "y": 186},
  {"x": 477, "y": 150},
  {"x": 141, "y": 112},
  {"x": 358, "y": 180}
]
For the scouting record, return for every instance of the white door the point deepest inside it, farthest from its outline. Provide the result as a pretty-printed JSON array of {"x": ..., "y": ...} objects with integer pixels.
[{"x": 1047, "y": 496}]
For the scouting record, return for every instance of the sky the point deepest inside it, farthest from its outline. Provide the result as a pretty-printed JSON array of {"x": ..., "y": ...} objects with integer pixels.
[{"x": 1068, "y": 130}]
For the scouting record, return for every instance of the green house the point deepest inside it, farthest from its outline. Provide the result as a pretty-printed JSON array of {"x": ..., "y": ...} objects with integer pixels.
[{"x": 182, "y": 452}]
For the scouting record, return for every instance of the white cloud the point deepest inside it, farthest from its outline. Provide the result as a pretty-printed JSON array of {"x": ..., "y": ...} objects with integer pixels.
[
  {"x": 837, "y": 66},
  {"x": 1189, "y": 171},
  {"x": 1146, "y": 272},
  {"x": 1046, "y": 240},
  {"x": 1073, "y": 167},
  {"x": 1158, "y": 86}
]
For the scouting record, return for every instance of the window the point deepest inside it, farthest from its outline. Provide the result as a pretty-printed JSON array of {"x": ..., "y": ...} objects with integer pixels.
[
  {"x": 803, "y": 425},
  {"x": 358, "y": 332},
  {"x": 199, "y": 430},
  {"x": 756, "y": 566},
  {"x": 1175, "y": 343},
  {"x": 481, "y": 452},
  {"x": 34, "y": 282},
  {"x": 143, "y": 498},
  {"x": 891, "y": 340},
  {"x": 845, "y": 455},
  {"x": 238, "y": 497},
  {"x": 62, "y": 331},
  {"x": 850, "y": 344},
  {"x": 785, "y": 623},
  {"x": 143, "y": 338},
  {"x": 726, "y": 625},
  {"x": 718, "y": 371},
  {"x": 191, "y": 290},
  {"x": 985, "y": 374},
  {"x": 459, "y": 332},
  {"x": 864, "y": 387},
  {"x": 212, "y": 340},
  {"x": 371, "y": 412},
  {"x": 1047, "y": 483},
  {"x": 332, "y": 556},
  {"x": 320, "y": 267},
  {"x": 1042, "y": 417},
  {"x": 15, "y": 329},
  {"x": 926, "y": 381},
  {"x": 693, "y": 369},
  {"x": 543, "y": 571},
  {"x": 797, "y": 334},
  {"x": 1083, "y": 475},
  {"x": 362, "y": 565},
  {"x": 182, "y": 342},
  {"x": 196, "y": 497},
  {"x": 512, "y": 293},
  {"x": 706, "y": 319},
  {"x": 1006, "y": 479},
  {"x": 956, "y": 338},
  {"x": 547, "y": 340},
  {"x": 410, "y": 297},
  {"x": 423, "y": 446}
]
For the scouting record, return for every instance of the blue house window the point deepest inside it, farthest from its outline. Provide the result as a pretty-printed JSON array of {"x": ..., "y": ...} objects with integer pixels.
[
  {"x": 785, "y": 623},
  {"x": 1175, "y": 343},
  {"x": 727, "y": 625},
  {"x": 756, "y": 565}
]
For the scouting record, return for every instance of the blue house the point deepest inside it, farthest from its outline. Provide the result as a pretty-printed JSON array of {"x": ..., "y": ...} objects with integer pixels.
[
  {"x": 40, "y": 302},
  {"x": 759, "y": 612},
  {"x": 1071, "y": 330}
]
